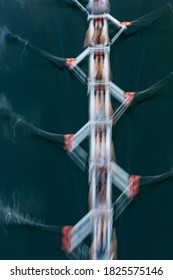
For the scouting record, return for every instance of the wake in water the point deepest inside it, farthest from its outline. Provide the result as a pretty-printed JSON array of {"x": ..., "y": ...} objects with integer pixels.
[
  {"x": 7, "y": 119},
  {"x": 12, "y": 216},
  {"x": 3, "y": 30},
  {"x": 6, "y": 35},
  {"x": 29, "y": 3},
  {"x": 13, "y": 126}
]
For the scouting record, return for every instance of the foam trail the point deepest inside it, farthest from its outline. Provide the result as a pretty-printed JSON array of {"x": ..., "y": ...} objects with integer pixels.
[
  {"x": 13, "y": 126},
  {"x": 3, "y": 31},
  {"x": 25, "y": 4},
  {"x": 6, "y": 35},
  {"x": 29, "y": 3},
  {"x": 9, "y": 215},
  {"x": 7, "y": 119}
]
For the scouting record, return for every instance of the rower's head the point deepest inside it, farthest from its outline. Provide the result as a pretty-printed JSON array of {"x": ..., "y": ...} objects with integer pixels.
[{"x": 98, "y": 6}]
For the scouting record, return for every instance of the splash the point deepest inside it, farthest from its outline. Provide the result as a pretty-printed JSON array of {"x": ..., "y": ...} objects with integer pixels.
[
  {"x": 14, "y": 126},
  {"x": 7, "y": 119},
  {"x": 4, "y": 32},
  {"x": 6, "y": 35},
  {"x": 28, "y": 3},
  {"x": 12, "y": 216}
]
